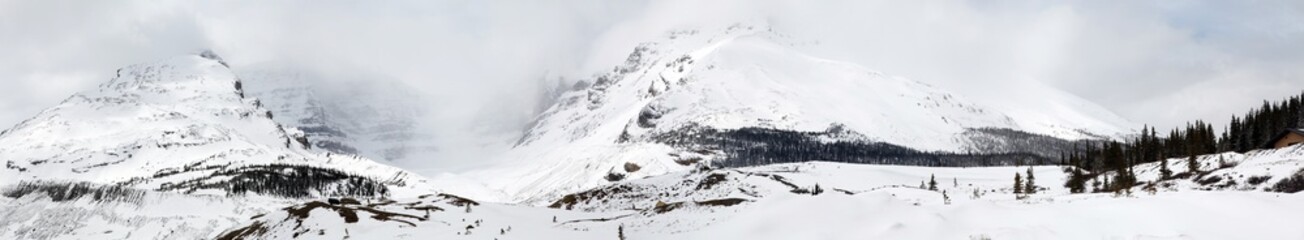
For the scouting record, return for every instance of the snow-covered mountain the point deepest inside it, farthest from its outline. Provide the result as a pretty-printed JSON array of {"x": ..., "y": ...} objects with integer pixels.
[
  {"x": 720, "y": 94},
  {"x": 131, "y": 156},
  {"x": 376, "y": 120},
  {"x": 166, "y": 125}
]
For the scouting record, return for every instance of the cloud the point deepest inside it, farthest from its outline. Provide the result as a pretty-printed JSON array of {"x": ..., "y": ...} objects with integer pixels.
[
  {"x": 1159, "y": 63},
  {"x": 55, "y": 48},
  {"x": 482, "y": 62}
]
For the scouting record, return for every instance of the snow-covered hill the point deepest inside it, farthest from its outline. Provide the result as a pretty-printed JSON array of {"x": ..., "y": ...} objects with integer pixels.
[
  {"x": 1280, "y": 170},
  {"x": 672, "y": 102},
  {"x": 376, "y": 120},
  {"x": 89, "y": 211}
]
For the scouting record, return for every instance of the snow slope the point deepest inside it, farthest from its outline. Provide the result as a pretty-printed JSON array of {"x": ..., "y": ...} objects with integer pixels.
[
  {"x": 745, "y": 76},
  {"x": 1257, "y": 170},
  {"x": 143, "y": 215}
]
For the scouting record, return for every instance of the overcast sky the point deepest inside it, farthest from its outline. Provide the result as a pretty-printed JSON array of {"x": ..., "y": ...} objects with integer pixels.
[{"x": 1152, "y": 62}]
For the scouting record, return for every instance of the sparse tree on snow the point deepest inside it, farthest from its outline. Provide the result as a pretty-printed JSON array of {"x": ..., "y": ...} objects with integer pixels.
[
  {"x": 946, "y": 198},
  {"x": 1018, "y": 183},
  {"x": 1164, "y": 173},
  {"x": 932, "y": 182},
  {"x": 1032, "y": 184}
]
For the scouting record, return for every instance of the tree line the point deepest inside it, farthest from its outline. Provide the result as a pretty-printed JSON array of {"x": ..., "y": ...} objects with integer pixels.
[
  {"x": 752, "y": 146},
  {"x": 1244, "y": 133}
]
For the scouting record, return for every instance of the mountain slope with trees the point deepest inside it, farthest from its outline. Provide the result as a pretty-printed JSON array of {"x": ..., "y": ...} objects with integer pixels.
[{"x": 1245, "y": 134}]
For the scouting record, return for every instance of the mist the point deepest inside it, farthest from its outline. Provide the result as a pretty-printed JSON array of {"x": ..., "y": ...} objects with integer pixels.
[{"x": 484, "y": 65}]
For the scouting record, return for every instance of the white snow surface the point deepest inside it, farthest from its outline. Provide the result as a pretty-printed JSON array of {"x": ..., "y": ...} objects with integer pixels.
[{"x": 156, "y": 215}]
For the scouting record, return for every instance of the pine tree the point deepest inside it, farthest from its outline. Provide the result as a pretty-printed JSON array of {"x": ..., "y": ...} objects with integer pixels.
[
  {"x": 1077, "y": 181},
  {"x": 922, "y": 186},
  {"x": 620, "y": 232},
  {"x": 932, "y": 183},
  {"x": 1031, "y": 187},
  {"x": 1192, "y": 166},
  {"x": 1164, "y": 173},
  {"x": 1018, "y": 183},
  {"x": 1125, "y": 180},
  {"x": 1106, "y": 185}
]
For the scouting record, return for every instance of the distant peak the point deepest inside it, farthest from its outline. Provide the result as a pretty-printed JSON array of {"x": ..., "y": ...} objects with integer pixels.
[{"x": 209, "y": 54}]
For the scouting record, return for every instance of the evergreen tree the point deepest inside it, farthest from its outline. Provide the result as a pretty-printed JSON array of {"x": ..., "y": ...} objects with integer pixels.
[
  {"x": 1076, "y": 181},
  {"x": 1164, "y": 173},
  {"x": 1125, "y": 180},
  {"x": 1107, "y": 186},
  {"x": 932, "y": 183},
  {"x": 1018, "y": 183},
  {"x": 1031, "y": 187},
  {"x": 620, "y": 232},
  {"x": 1192, "y": 166}
]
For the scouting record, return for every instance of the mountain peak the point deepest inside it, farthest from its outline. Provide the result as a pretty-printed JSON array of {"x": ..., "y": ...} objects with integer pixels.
[
  {"x": 209, "y": 54},
  {"x": 172, "y": 80}
]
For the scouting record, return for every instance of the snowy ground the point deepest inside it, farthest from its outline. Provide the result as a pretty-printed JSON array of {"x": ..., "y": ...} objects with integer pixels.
[
  {"x": 858, "y": 202},
  {"x": 1181, "y": 215}
]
